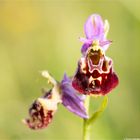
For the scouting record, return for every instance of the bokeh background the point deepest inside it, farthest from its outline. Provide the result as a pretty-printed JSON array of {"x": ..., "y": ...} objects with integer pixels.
[{"x": 43, "y": 34}]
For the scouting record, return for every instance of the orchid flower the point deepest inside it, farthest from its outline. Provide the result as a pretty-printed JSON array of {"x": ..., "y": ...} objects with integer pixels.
[
  {"x": 43, "y": 109},
  {"x": 95, "y": 74}
]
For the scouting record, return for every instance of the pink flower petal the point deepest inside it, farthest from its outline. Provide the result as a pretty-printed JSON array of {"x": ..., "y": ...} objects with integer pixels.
[{"x": 94, "y": 27}]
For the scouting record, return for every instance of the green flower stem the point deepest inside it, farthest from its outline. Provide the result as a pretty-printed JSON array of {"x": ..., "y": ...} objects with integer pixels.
[
  {"x": 88, "y": 122},
  {"x": 86, "y": 130},
  {"x": 86, "y": 125}
]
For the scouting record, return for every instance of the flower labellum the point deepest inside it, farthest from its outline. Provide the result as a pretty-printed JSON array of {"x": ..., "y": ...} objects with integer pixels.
[
  {"x": 42, "y": 110},
  {"x": 95, "y": 74},
  {"x": 40, "y": 116}
]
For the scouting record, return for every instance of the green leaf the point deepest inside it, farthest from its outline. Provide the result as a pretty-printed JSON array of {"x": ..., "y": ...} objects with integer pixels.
[{"x": 97, "y": 114}]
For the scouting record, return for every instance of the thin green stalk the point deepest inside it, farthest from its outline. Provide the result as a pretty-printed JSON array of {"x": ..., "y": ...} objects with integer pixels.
[
  {"x": 86, "y": 125},
  {"x": 88, "y": 122}
]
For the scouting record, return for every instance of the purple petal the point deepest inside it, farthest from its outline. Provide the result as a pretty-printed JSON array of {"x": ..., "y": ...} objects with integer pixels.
[
  {"x": 105, "y": 44},
  {"x": 71, "y": 100},
  {"x": 84, "y": 48},
  {"x": 85, "y": 40},
  {"x": 66, "y": 79},
  {"x": 86, "y": 45},
  {"x": 94, "y": 27}
]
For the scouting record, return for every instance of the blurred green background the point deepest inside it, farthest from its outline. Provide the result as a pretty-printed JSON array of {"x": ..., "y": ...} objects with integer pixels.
[{"x": 43, "y": 34}]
